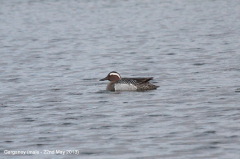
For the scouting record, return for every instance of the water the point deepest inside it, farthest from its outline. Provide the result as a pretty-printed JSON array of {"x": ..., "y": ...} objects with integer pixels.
[{"x": 53, "y": 54}]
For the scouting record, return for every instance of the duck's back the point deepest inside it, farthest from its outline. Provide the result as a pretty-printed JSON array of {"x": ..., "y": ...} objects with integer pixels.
[{"x": 134, "y": 84}]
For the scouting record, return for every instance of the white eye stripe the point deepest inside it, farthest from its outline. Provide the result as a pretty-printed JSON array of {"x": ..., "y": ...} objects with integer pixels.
[{"x": 116, "y": 74}]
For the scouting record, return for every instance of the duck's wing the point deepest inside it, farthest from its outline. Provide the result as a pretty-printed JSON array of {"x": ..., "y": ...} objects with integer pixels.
[{"x": 138, "y": 80}]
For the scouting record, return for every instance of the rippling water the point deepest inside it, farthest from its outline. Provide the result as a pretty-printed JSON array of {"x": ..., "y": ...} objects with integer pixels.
[{"x": 53, "y": 54}]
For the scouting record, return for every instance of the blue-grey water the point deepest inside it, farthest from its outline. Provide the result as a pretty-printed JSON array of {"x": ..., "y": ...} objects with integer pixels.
[{"x": 53, "y": 53}]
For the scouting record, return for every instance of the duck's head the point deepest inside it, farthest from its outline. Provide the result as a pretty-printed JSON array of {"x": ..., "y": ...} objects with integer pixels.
[{"x": 112, "y": 76}]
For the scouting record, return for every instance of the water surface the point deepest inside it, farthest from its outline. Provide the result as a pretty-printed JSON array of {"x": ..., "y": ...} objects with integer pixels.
[{"x": 53, "y": 54}]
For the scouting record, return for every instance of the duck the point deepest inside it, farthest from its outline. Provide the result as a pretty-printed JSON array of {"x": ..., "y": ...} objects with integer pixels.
[{"x": 127, "y": 84}]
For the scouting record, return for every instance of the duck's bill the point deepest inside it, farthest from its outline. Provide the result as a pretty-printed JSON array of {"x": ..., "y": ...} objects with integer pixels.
[{"x": 103, "y": 79}]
